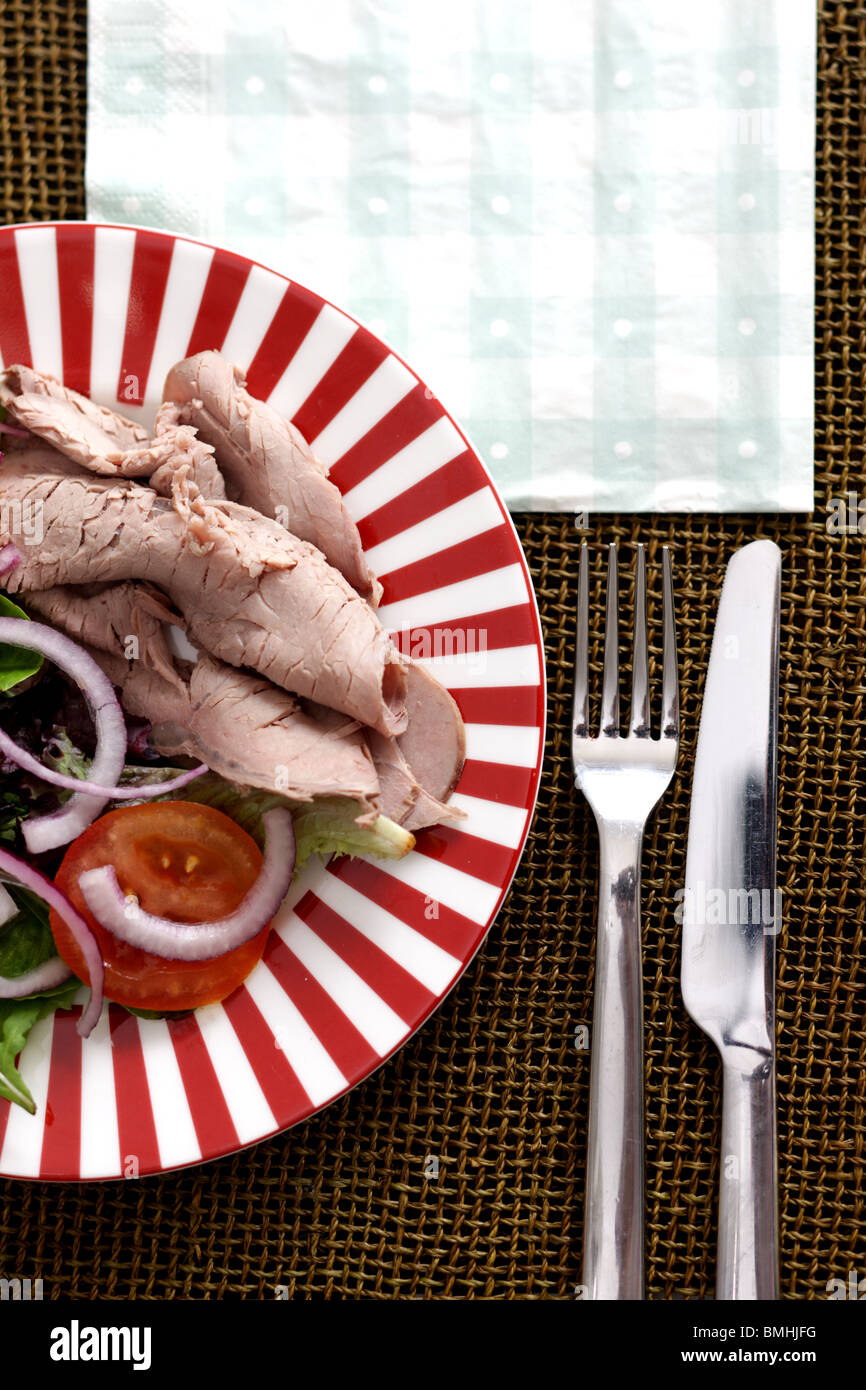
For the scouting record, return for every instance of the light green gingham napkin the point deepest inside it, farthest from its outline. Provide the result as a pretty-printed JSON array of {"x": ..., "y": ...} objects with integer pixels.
[{"x": 587, "y": 226}]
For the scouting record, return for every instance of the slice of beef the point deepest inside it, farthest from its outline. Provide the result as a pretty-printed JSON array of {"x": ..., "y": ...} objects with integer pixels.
[
  {"x": 401, "y": 796},
  {"x": 261, "y": 736},
  {"x": 419, "y": 770},
  {"x": 126, "y": 620},
  {"x": 267, "y": 463},
  {"x": 183, "y": 447},
  {"x": 249, "y": 591},
  {"x": 91, "y": 435},
  {"x": 434, "y": 743},
  {"x": 103, "y": 442},
  {"x": 243, "y": 727}
]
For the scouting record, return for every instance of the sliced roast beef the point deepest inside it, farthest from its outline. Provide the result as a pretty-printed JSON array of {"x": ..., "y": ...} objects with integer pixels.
[
  {"x": 91, "y": 435},
  {"x": 126, "y": 620},
  {"x": 103, "y": 442},
  {"x": 252, "y": 727},
  {"x": 434, "y": 743},
  {"x": 419, "y": 770},
  {"x": 243, "y": 727},
  {"x": 249, "y": 591},
  {"x": 401, "y": 796},
  {"x": 267, "y": 463},
  {"x": 183, "y": 447}
]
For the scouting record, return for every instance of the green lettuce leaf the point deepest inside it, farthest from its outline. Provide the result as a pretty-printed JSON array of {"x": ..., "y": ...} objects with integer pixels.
[
  {"x": 68, "y": 758},
  {"x": 25, "y": 942},
  {"x": 325, "y": 826},
  {"x": 16, "y": 663},
  {"x": 17, "y": 1017}
]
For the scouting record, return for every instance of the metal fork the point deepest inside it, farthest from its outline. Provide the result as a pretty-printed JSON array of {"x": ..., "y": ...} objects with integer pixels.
[{"x": 622, "y": 779}]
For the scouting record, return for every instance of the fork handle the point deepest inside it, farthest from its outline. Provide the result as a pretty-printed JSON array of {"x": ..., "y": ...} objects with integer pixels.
[{"x": 614, "y": 1216}]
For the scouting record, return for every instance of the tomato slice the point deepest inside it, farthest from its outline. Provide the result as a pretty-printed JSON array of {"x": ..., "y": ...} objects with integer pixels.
[{"x": 183, "y": 861}]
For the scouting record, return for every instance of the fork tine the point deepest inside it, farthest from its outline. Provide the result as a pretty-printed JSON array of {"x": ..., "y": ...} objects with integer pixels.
[
  {"x": 580, "y": 721},
  {"x": 670, "y": 688},
  {"x": 610, "y": 683},
  {"x": 640, "y": 663}
]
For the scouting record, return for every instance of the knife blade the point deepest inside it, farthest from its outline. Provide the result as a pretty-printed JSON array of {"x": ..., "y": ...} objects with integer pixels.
[{"x": 730, "y": 913}]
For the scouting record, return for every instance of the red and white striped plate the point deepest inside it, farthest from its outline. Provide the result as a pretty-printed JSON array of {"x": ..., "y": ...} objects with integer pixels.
[{"x": 363, "y": 951}]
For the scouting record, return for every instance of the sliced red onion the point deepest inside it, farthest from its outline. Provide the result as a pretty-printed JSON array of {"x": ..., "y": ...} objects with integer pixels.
[
  {"x": 31, "y": 878},
  {"x": 126, "y": 919},
  {"x": 8, "y": 906},
  {"x": 26, "y": 760},
  {"x": 13, "y": 429},
  {"x": 45, "y": 976},
  {"x": 52, "y": 831},
  {"x": 10, "y": 556}
]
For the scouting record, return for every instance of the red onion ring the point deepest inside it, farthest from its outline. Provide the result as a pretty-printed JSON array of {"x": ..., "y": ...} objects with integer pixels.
[
  {"x": 10, "y": 556},
  {"x": 52, "y": 831},
  {"x": 28, "y": 763},
  {"x": 125, "y": 919},
  {"x": 31, "y": 878},
  {"x": 13, "y": 429},
  {"x": 45, "y": 976}
]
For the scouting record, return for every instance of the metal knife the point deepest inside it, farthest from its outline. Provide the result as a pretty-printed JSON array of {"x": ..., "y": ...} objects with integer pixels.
[{"x": 730, "y": 912}]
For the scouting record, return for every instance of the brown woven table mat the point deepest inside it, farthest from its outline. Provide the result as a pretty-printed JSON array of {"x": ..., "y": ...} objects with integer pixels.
[{"x": 494, "y": 1086}]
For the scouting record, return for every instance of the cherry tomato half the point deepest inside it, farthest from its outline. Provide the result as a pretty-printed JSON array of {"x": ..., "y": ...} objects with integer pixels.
[{"x": 183, "y": 861}]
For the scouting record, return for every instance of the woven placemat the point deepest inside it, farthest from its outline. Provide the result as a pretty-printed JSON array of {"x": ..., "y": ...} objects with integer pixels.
[{"x": 494, "y": 1086}]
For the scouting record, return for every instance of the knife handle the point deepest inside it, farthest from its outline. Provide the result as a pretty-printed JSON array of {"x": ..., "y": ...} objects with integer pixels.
[
  {"x": 614, "y": 1218},
  {"x": 748, "y": 1241}
]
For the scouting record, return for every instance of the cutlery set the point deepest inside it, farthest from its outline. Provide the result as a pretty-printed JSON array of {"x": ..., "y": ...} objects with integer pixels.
[{"x": 729, "y": 915}]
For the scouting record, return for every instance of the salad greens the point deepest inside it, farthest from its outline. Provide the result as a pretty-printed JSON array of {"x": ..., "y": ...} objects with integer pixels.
[
  {"x": 65, "y": 756},
  {"x": 25, "y": 942},
  {"x": 17, "y": 1017},
  {"x": 324, "y": 826},
  {"x": 14, "y": 808},
  {"x": 327, "y": 826},
  {"x": 16, "y": 664}
]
